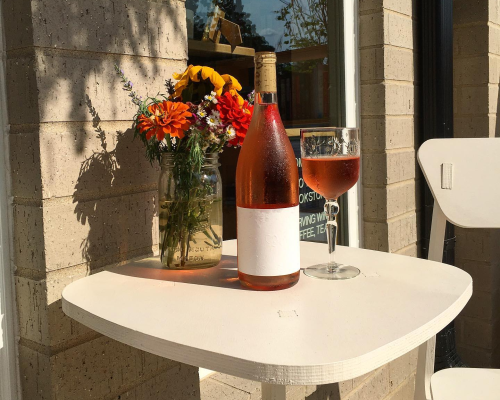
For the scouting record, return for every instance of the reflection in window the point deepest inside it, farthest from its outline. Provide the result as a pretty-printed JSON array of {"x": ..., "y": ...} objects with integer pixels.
[{"x": 297, "y": 30}]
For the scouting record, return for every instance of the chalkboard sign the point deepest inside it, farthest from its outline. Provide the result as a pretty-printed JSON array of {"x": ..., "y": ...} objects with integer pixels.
[{"x": 312, "y": 215}]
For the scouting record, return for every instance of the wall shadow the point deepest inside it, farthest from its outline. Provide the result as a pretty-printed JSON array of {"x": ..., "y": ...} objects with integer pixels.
[
  {"x": 133, "y": 33},
  {"x": 326, "y": 392},
  {"x": 120, "y": 220}
]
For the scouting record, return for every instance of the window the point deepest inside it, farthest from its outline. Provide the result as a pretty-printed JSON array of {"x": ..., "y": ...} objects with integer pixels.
[{"x": 308, "y": 38}]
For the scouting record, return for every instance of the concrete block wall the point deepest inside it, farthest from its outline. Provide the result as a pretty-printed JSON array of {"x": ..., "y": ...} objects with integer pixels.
[
  {"x": 389, "y": 117},
  {"x": 476, "y": 59},
  {"x": 389, "y": 123},
  {"x": 83, "y": 192}
]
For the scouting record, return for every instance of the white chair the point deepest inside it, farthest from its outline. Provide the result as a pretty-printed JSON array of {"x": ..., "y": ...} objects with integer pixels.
[{"x": 464, "y": 178}]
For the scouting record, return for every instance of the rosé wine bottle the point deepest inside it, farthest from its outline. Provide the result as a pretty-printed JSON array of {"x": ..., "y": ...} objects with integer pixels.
[{"x": 267, "y": 192}]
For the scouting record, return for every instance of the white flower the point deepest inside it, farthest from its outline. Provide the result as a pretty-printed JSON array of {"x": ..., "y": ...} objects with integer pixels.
[
  {"x": 213, "y": 120},
  {"x": 174, "y": 140},
  {"x": 211, "y": 97},
  {"x": 202, "y": 113},
  {"x": 214, "y": 139},
  {"x": 231, "y": 132},
  {"x": 213, "y": 93},
  {"x": 216, "y": 114}
]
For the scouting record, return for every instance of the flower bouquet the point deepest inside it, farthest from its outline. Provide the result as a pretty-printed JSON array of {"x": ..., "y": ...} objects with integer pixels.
[{"x": 185, "y": 130}]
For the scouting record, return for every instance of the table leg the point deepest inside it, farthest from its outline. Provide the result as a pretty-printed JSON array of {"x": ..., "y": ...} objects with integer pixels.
[
  {"x": 425, "y": 369},
  {"x": 273, "y": 392}
]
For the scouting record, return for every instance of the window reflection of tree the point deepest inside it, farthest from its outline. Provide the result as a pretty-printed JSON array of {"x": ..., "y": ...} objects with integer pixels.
[
  {"x": 303, "y": 63},
  {"x": 305, "y": 22}
]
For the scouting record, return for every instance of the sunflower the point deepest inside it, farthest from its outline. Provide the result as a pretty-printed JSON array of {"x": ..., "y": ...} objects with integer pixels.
[
  {"x": 167, "y": 118},
  {"x": 233, "y": 87},
  {"x": 196, "y": 74},
  {"x": 230, "y": 83}
]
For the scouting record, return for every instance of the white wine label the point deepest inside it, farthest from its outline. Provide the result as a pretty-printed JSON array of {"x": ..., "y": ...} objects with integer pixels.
[{"x": 268, "y": 241}]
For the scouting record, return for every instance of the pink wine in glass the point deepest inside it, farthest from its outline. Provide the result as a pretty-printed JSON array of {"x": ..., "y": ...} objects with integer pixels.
[
  {"x": 267, "y": 192},
  {"x": 331, "y": 176}
]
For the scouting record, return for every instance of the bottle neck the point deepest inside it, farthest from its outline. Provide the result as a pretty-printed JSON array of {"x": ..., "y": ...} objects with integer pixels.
[{"x": 266, "y": 98}]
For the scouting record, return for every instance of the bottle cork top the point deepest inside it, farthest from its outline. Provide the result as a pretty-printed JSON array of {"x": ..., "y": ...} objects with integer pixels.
[
  {"x": 265, "y": 71},
  {"x": 265, "y": 56}
]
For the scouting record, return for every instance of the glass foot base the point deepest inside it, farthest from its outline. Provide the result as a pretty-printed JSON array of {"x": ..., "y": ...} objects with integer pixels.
[{"x": 321, "y": 271}]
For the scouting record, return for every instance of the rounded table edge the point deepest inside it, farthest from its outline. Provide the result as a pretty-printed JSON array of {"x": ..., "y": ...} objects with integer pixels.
[{"x": 274, "y": 374}]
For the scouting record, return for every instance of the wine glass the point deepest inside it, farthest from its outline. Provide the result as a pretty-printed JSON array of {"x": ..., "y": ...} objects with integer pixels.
[{"x": 330, "y": 166}]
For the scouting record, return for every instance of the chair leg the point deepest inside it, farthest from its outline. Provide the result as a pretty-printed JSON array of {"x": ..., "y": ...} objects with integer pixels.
[
  {"x": 425, "y": 369},
  {"x": 273, "y": 392},
  {"x": 438, "y": 227}
]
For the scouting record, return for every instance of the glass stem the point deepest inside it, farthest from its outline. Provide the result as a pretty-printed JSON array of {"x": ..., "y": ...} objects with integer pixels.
[{"x": 331, "y": 210}]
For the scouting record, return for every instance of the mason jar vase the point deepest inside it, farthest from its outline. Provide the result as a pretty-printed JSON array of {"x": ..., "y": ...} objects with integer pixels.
[{"x": 190, "y": 213}]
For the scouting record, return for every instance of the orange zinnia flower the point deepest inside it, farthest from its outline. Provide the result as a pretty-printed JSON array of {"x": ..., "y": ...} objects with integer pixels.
[{"x": 167, "y": 118}]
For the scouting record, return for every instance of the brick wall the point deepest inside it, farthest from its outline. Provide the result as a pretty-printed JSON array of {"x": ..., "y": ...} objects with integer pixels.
[
  {"x": 81, "y": 186},
  {"x": 476, "y": 83}
]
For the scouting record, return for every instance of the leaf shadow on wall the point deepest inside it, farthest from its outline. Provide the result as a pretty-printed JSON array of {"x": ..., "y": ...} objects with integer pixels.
[
  {"x": 112, "y": 200},
  {"x": 67, "y": 51}
]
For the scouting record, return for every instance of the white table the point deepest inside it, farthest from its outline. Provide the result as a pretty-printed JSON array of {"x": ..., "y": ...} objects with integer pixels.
[{"x": 316, "y": 332}]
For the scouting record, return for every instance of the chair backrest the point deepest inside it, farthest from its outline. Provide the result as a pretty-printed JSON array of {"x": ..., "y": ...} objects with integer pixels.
[{"x": 464, "y": 178}]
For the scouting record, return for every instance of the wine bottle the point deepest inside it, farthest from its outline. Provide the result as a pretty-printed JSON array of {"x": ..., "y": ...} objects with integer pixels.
[{"x": 267, "y": 192}]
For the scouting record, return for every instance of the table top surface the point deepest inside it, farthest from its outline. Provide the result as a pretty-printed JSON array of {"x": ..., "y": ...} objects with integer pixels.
[{"x": 316, "y": 332}]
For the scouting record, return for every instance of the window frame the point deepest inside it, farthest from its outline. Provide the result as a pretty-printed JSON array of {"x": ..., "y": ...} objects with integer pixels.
[{"x": 352, "y": 96}]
